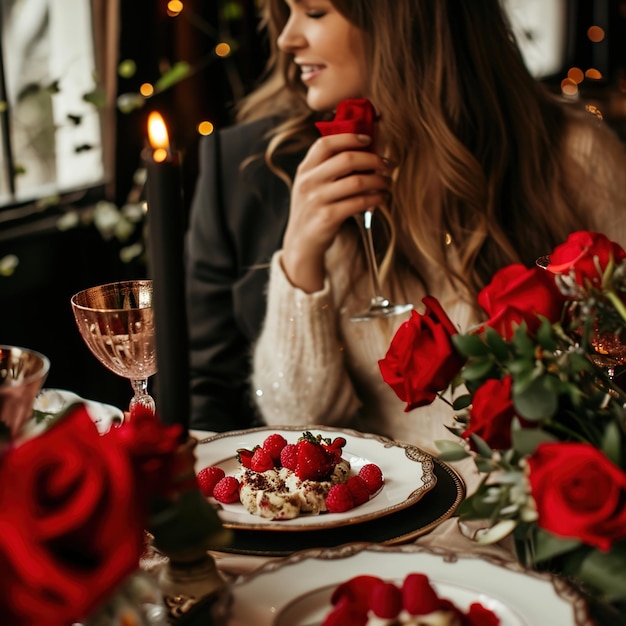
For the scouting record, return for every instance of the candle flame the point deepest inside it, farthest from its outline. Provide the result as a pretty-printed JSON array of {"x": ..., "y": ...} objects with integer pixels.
[{"x": 158, "y": 137}]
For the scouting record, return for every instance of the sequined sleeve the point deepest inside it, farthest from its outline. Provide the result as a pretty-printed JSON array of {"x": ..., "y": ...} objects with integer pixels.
[{"x": 299, "y": 375}]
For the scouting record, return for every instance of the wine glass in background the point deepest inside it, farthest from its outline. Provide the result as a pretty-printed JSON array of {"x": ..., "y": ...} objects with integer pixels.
[
  {"x": 116, "y": 321},
  {"x": 22, "y": 374},
  {"x": 379, "y": 306}
]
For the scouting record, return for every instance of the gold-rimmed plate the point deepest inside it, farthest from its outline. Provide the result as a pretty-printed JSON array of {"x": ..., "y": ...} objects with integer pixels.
[
  {"x": 407, "y": 470},
  {"x": 296, "y": 591}
]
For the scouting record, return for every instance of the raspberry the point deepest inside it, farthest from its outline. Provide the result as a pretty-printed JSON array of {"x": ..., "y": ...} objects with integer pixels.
[
  {"x": 386, "y": 601},
  {"x": 289, "y": 456},
  {"x": 419, "y": 598},
  {"x": 274, "y": 445},
  {"x": 359, "y": 490},
  {"x": 227, "y": 490},
  {"x": 208, "y": 477},
  {"x": 339, "y": 499},
  {"x": 373, "y": 477},
  {"x": 261, "y": 461}
]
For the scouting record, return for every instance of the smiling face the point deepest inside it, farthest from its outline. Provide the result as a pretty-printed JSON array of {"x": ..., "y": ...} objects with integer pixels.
[{"x": 328, "y": 49}]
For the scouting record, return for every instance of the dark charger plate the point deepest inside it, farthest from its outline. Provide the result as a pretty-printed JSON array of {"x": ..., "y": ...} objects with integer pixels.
[{"x": 434, "y": 507}]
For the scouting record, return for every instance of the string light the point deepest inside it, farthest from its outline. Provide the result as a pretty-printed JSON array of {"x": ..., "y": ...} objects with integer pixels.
[{"x": 595, "y": 34}]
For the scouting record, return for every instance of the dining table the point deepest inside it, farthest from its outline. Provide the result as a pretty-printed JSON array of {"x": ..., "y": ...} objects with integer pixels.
[{"x": 429, "y": 528}]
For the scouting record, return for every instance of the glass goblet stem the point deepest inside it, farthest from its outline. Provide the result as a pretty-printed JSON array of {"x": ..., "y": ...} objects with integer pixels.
[
  {"x": 142, "y": 399},
  {"x": 380, "y": 306}
]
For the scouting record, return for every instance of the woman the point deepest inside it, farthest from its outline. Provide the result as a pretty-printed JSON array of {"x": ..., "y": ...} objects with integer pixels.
[{"x": 475, "y": 166}]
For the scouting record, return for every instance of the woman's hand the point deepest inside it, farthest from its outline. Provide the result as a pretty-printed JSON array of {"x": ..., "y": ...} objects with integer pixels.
[{"x": 337, "y": 178}]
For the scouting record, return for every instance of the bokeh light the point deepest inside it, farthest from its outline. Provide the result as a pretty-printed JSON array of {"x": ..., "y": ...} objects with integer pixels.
[
  {"x": 569, "y": 87},
  {"x": 593, "y": 74},
  {"x": 174, "y": 7},
  {"x": 595, "y": 34},
  {"x": 146, "y": 90},
  {"x": 205, "y": 128},
  {"x": 576, "y": 74},
  {"x": 222, "y": 49}
]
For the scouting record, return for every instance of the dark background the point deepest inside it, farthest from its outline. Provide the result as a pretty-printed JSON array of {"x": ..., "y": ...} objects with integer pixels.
[{"x": 34, "y": 301}]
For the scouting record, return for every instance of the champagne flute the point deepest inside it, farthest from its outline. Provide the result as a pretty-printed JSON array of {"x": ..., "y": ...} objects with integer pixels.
[
  {"x": 379, "y": 306},
  {"x": 116, "y": 321}
]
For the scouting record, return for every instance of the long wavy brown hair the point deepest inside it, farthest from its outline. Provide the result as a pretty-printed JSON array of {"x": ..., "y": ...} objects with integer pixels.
[{"x": 478, "y": 142}]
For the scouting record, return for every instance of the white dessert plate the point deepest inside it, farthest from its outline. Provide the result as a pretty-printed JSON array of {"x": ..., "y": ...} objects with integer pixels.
[
  {"x": 296, "y": 591},
  {"x": 50, "y": 402},
  {"x": 407, "y": 471}
]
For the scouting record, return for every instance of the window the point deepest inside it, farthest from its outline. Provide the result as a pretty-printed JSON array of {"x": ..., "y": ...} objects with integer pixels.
[{"x": 50, "y": 137}]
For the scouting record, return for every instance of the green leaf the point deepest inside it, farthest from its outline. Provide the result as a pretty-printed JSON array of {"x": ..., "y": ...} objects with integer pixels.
[
  {"x": 496, "y": 533},
  {"x": 536, "y": 402},
  {"x": 547, "y": 545},
  {"x": 481, "y": 446},
  {"x": 450, "y": 450},
  {"x": 127, "y": 68},
  {"x": 470, "y": 345},
  {"x": 612, "y": 443},
  {"x": 606, "y": 571},
  {"x": 497, "y": 344},
  {"x": 462, "y": 402},
  {"x": 97, "y": 97},
  {"x": 526, "y": 440},
  {"x": 546, "y": 337},
  {"x": 478, "y": 369},
  {"x": 174, "y": 75}
]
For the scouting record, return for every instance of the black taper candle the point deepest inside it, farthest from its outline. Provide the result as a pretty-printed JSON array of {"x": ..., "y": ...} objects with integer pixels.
[{"x": 166, "y": 231}]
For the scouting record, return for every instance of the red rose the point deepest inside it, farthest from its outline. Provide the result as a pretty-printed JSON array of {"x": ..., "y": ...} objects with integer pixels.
[
  {"x": 421, "y": 359},
  {"x": 151, "y": 446},
  {"x": 492, "y": 413},
  {"x": 352, "y": 116},
  {"x": 517, "y": 294},
  {"x": 579, "y": 493},
  {"x": 586, "y": 255},
  {"x": 71, "y": 523}
]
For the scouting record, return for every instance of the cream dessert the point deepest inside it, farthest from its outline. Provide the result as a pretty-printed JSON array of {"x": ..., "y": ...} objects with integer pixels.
[{"x": 279, "y": 494}]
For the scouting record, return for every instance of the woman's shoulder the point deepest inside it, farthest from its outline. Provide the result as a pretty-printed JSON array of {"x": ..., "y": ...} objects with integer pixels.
[{"x": 590, "y": 136}]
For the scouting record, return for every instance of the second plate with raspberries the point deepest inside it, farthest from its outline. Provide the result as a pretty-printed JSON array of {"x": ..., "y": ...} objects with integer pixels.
[{"x": 405, "y": 471}]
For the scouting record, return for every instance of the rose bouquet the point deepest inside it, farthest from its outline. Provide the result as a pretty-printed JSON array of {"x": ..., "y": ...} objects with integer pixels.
[
  {"x": 74, "y": 505},
  {"x": 537, "y": 406}
]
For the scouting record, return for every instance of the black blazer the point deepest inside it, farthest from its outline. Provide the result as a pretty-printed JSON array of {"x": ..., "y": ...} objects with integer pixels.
[{"x": 238, "y": 218}]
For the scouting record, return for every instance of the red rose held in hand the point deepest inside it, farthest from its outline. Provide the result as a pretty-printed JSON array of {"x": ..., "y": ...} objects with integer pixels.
[
  {"x": 421, "y": 359},
  {"x": 579, "y": 493},
  {"x": 352, "y": 116},
  {"x": 71, "y": 523},
  {"x": 587, "y": 255},
  {"x": 517, "y": 294},
  {"x": 492, "y": 413}
]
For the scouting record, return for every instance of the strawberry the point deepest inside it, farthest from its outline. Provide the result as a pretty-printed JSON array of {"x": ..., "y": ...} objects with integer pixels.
[
  {"x": 373, "y": 477},
  {"x": 274, "y": 445},
  {"x": 261, "y": 460},
  {"x": 289, "y": 456},
  {"x": 244, "y": 456},
  {"x": 339, "y": 499},
  {"x": 386, "y": 601},
  {"x": 227, "y": 490},
  {"x": 359, "y": 490},
  {"x": 314, "y": 462},
  {"x": 208, "y": 477}
]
